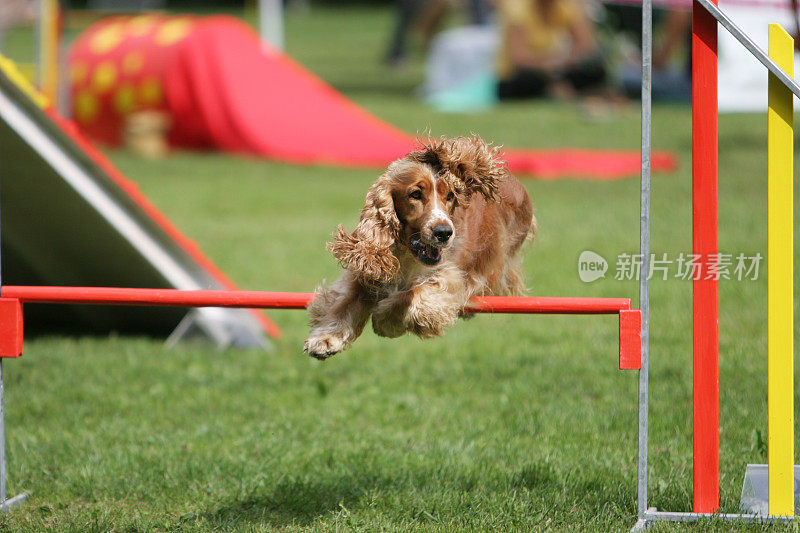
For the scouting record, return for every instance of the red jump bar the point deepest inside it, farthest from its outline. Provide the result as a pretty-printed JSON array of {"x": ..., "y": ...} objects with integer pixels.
[
  {"x": 291, "y": 300},
  {"x": 11, "y": 296},
  {"x": 157, "y": 297}
]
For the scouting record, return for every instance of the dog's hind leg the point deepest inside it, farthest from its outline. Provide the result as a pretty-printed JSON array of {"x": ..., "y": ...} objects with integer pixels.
[
  {"x": 338, "y": 315},
  {"x": 389, "y": 316}
]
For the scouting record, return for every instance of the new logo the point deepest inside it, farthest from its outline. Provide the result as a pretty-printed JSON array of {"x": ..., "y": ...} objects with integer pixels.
[{"x": 591, "y": 266}]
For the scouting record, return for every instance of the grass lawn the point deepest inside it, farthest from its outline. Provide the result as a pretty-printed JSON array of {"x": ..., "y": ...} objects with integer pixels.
[{"x": 508, "y": 423}]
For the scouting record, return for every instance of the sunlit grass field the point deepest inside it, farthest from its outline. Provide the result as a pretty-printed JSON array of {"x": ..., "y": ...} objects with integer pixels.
[{"x": 508, "y": 423}]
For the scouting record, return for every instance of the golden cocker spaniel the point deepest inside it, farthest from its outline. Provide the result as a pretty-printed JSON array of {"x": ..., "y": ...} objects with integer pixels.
[{"x": 443, "y": 224}]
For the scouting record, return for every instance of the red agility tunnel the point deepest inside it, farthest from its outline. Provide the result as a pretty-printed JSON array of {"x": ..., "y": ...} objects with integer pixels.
[{"x": 224, "y": 90}]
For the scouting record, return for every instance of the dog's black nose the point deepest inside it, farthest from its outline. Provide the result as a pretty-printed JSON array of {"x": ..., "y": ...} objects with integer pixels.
[{"x": 442, "y": 233}]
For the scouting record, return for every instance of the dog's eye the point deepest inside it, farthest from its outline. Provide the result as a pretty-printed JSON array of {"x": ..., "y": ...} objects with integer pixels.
[
  {"x": 450, "y": 196},
  {"x": 416, "y": 195}
]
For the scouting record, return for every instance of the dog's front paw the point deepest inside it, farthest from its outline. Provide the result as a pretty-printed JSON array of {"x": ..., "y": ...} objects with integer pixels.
[{"x": 323, "y": 345}]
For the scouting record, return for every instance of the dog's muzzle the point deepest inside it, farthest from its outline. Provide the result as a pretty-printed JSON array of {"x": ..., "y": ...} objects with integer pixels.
[{"x": 428, "y": 254}]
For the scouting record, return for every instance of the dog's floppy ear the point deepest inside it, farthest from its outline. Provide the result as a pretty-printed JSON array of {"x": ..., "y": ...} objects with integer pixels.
[
  {"x": 367, "y": 251},
  {"x": 476, "y": 164}
]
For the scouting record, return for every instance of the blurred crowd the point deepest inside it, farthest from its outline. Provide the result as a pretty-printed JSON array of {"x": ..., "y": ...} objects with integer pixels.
[
  {"x": 563, "y": 49},
  {"x": 479, "y": 51}
]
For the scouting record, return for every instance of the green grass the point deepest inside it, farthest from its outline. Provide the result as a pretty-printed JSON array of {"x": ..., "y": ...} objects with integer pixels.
[{"x": 507, "y": 423}]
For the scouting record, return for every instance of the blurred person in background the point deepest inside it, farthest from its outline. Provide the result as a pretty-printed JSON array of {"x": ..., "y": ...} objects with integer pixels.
[
  {"x": 672, "y": 58},
  {"x": 429, "y": 15},
  {"x": 548, "y": 48},
  {"x": 14, "y": 13}
]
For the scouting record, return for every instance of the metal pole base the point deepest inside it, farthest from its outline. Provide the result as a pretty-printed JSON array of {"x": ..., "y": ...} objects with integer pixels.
[
  {"x": 12, "y": 503},
  {"x": 652, "y": 516},
  {"x": 755, "y": 490}
]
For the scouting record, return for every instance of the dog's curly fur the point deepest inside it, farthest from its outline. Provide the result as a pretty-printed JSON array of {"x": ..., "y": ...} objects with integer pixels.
[{"x": 443, "y": 224}]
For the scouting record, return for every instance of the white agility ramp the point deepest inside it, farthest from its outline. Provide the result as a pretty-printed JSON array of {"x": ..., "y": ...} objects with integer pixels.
[{"x": 69, "y": 217}]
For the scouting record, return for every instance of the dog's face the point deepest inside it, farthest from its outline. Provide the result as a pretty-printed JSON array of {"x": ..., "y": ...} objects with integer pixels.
[
  {"x": 413, "y": 204},
  {"x": 424, "y": 203}
]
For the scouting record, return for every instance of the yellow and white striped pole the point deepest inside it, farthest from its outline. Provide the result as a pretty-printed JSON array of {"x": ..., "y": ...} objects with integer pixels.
[{"x": 780, "y": 293}]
